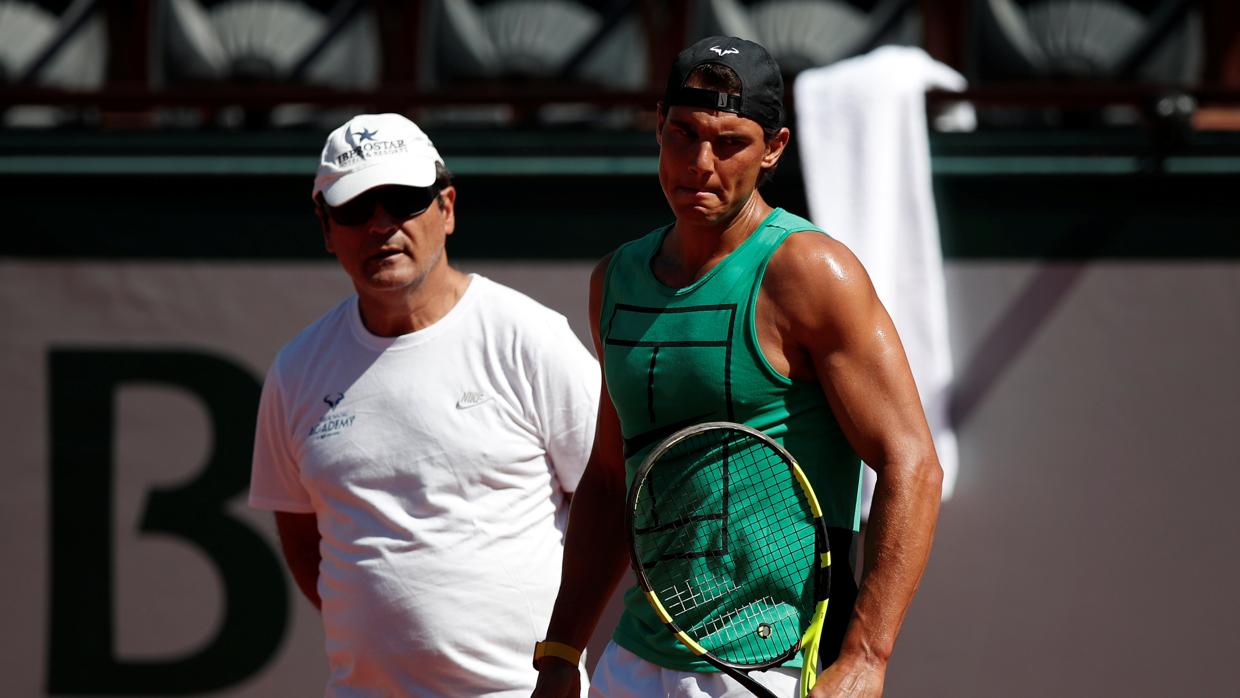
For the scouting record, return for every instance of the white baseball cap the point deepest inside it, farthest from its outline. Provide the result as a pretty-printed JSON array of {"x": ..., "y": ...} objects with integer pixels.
[{"x": 373, "y": 150}]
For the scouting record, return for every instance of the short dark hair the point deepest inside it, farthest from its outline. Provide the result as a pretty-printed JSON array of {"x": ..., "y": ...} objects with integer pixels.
[
  {"x": 443, "y": 180},
  {"x": 443, "y": 176},
  {"x": 721, "y": 78}
]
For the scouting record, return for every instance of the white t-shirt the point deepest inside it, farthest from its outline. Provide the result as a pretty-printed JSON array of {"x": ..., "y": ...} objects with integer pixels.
[{"x": 436, "y": 464}]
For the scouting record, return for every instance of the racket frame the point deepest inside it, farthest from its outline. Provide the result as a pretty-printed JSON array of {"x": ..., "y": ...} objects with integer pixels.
[{"x": 822, "y": 576}]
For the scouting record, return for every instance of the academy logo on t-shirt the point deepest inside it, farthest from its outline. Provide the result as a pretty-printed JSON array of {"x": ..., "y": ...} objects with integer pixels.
[{"x": 332, "y": 423}]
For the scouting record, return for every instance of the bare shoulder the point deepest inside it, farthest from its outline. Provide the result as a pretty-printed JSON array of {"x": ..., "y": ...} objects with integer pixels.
[
  {"x": 599, "y": 275},
  {"x": 812, "y": 272},
  {"x": 598, "y": 278}
]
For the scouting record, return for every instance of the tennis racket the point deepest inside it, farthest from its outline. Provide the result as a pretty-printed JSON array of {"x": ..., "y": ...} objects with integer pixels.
[{"x": 729, "y": 545}]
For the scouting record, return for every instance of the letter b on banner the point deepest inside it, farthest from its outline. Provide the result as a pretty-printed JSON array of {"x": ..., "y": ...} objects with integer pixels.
[{"x": 81, "y": 652}]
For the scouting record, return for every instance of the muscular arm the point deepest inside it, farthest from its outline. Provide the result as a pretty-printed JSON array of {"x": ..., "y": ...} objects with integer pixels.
[
  {"x": 845, "y": 337},
  {"x": 299, "y": 539},
  {"x": 595, "y": 556}
]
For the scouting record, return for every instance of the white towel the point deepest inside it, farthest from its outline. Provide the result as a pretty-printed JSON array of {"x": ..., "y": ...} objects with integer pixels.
[{"x": 865, "y": 156}]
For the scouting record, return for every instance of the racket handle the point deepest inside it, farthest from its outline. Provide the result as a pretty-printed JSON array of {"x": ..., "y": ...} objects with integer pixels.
[{"x": 809, "y": 649}]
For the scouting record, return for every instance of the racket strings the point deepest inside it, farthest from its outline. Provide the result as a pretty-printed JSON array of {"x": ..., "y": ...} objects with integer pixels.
[
  {"x": 730, "y": 561},
  {"x": 751, "y": 614},
  {"x": 690, "y": 594}
]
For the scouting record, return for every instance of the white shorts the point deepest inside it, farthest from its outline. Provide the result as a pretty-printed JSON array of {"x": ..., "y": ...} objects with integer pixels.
[{"x": 622, "y": 674}]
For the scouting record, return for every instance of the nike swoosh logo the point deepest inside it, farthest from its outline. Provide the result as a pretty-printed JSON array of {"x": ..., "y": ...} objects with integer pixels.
[{"x": 469, "y": 400}]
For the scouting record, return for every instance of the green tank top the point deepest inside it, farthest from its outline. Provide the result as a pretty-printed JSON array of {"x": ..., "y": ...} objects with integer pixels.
[{"x": 680, "y": 356}]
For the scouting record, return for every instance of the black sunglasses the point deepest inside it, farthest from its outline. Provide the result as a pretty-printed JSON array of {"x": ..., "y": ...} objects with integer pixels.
[{"x": 401, "y": 203}]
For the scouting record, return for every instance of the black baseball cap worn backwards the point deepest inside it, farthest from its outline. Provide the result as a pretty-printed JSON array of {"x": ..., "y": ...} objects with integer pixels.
[{"x": 762, "y": 85}]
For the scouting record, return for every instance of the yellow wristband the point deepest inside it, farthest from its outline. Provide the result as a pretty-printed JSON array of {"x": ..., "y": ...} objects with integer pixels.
[{"x": 559, "y": 650}]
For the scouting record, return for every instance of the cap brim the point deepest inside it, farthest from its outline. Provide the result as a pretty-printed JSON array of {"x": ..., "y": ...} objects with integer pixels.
[{"x": 399, "y": 174}]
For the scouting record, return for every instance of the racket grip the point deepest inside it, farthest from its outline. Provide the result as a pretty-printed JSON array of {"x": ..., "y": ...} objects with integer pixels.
[{"x": 809, "y": 649}]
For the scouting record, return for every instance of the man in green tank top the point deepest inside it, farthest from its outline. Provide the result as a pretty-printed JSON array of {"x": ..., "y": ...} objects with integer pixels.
[{"x": 742, "y": 312}]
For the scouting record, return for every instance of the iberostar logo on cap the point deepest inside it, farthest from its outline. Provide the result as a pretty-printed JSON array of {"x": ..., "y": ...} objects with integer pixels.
[
  {"x": 368, "y": 147},
  {"x": 374, "y": 150}
]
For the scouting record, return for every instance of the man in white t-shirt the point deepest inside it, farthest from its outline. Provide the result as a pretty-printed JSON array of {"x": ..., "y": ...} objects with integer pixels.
[{"x": 420, "y": 442}]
